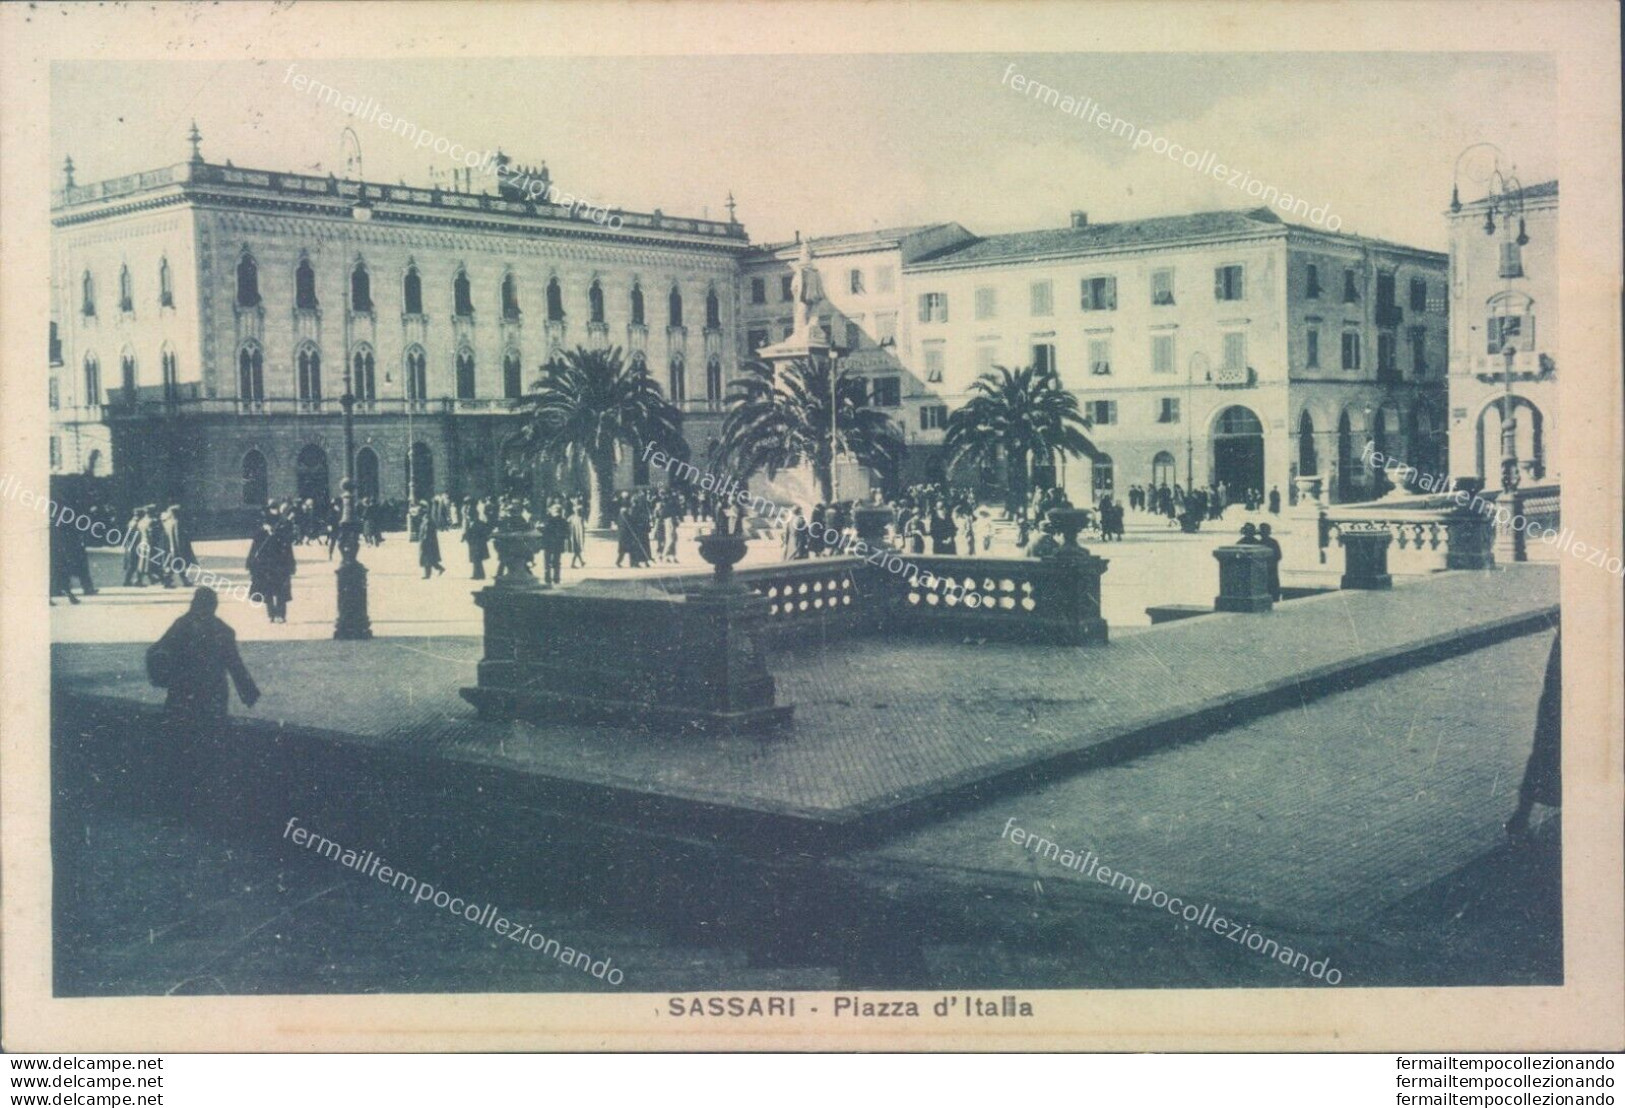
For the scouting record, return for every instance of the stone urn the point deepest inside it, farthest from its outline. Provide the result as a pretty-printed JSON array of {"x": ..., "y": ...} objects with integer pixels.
[
  {"x": 515, "y": 552},
  {"x": 722, "y": 552},
  {"x": 1067, "y": 522}
]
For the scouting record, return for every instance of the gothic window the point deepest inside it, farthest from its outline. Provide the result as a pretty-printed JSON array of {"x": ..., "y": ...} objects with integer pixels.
[
  {"x": 360, "y": 289},
  {"x": 713, "y": 379},
  {"x": 510, "y": 297},
  {"x": 555, "y": 301},
  {"x": 87, "y": 294},
  {"x": 251, "y": 374},
  {"x": 465, "y": 374},
  {"x": 171, "y": 375},
  {"x": 713, "y": 310},
  {"x": 412, "y": 291},
  {"x": 595, "y": 303},
  {"x": 637, "y": 305},
  {"x": 126, "y": 367},
  {"x": 304, "y": 286},
  {"x": 417, "y": 373},
  {"x": 462, "y": 295},
  {"x": 248, "y": 283},
  {"x": 310, "y": 375},
  {"x": 363, "y": 375},
  {"x": 679, "y": 382},
  {"x": 93, "y": 380},
  {"x": 126, "y": 291},
  {"x": 166, "y": 289},
  {"x": 512, "y": 379},
  {"x": 675, "y": 308}
]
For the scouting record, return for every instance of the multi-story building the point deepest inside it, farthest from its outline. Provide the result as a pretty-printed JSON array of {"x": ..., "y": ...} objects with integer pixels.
[
  {"x": 865, "y": 311},
  {"x": 208, "y": 316},
  {"x": 1503, "y": 299},
  {"x": 1215, "y": 347}
]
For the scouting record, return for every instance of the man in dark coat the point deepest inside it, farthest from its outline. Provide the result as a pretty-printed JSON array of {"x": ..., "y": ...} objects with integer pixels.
[
  {"x": 193, "y": 660},
  {"x": 135, "y": 538},
  {"x": 271, "y": 565},
  {"x": 429, "y": 543},
  {"x": 160, "y": 567},
  {"x": 555, "y": 534},
  {"x": 1268, "y": 540},
  {"x": 477, "y": 536}
]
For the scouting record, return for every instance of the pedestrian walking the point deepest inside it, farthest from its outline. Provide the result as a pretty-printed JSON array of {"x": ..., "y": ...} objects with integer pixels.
[
  {"x": 555, "y": 535},
  {"x": 477, "y": 537},
  {"x": 429, "y": 544},
  {"x": 1268, "y": 540},
  {"x": 271, "y": 565}
]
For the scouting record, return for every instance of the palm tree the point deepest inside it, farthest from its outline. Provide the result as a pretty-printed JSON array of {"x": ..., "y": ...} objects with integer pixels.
[
  {"x": 779, "y": 418},
  {"x": 1023, "y": 414},
  {"x": 587, "y": 403}
]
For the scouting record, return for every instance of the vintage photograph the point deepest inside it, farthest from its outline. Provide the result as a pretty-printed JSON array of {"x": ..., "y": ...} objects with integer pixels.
[{"x": 817, "y": 536}]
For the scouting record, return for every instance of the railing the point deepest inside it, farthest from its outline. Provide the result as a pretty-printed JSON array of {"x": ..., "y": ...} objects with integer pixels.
[
  {"x": 1426, "y": 529},
  {"x": 355, "y": 192},
  {"x": 321, "y": 406}
]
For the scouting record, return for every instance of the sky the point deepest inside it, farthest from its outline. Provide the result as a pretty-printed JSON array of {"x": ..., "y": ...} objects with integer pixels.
[{"x": 827, "y": 144}]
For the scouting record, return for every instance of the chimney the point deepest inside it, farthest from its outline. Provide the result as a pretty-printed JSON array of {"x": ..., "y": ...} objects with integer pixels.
[{"x": 1079, "y": 219}]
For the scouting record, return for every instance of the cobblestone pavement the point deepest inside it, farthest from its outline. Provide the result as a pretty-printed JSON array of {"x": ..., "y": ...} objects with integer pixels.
[
  {"x": 1363, "y": 829},
  {"x": 1315, "y": 819},
  {"x": 1156, "y": 565},
  {"x": 878, "y": 721}
]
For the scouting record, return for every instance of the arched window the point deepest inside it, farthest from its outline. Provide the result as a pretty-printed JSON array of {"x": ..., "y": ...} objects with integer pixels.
[
  {"x": 1308, "y": 456},
  {"x": 465, "y": 374},
  {"x": 126, "y": 373},
  {"x": 713, "y": 379},
  {"x": 417, "y": 373},
  {"x": 251, "y": 374},
  {"x": 310, "y": 376},
  {"x": 93, "y": 464},
  {"x": 679, "y": 383},
  {"x": 1104, "y": 480},
  {"x": 93, "y": 380},
  {"x": 166, "y": 288},
  {"x": 461, "y": 295},
  {"x": 171, "y": 374},
  {"x": 310, "y": 474},
  {"x": 412, "y": 291},
  {"x": 640, "y": 364},
  {"x": 555, "y": 301},
  {"x": 595, "y": 303},
  {"x": 256, "y": 480},
  {"x": 248, "y": 282},
  {"x": 512, "y": 379},
  {"x": 510, "y": 297},
  {"x": 87, "y": 294},
  {"x": 1163, "y": 471},
  {"x": 126, "y": 290},
  {"x": 360, "y": 289},
  {"x": 637, "y": 305},
  {"x": 674, "y": 308},
  {"x": 363, "y": 376},
  {"x": 713, "y": 310},
  {"x": 304, "y": 286}
]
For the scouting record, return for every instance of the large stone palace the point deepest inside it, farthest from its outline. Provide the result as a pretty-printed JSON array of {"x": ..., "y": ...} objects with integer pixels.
[{"x": 207, "y": 317}]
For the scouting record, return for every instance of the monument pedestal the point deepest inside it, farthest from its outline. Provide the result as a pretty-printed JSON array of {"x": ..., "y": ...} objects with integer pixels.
[
  {"x": 1244, "y": 579},
  {"x": 1365, "y": 559}
]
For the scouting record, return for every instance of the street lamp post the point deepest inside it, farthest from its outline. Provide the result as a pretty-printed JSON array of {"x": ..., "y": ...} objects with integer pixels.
[
  {"x": 1503, "y": 197},
  {"x": 352, "y": 621},
  {"x": 834, "y": 432}
]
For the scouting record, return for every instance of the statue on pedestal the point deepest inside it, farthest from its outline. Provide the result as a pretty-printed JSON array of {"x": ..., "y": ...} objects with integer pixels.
[{"x": 807, "y": 291}]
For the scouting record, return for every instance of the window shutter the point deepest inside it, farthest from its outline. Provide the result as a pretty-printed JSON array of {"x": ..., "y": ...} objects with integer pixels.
[{"x": 925, "y": 308}]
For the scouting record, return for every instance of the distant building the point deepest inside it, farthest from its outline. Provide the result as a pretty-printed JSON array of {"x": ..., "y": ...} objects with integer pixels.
[
  {"x": 1214, "y": 347},
  {"x": 1503, "y": 295},
  {"x": 206, "y": 316}
]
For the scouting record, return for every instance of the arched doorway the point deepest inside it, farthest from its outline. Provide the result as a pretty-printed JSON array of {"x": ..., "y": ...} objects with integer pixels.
[
  {"x": 1103, "y": 479},
  {"x": 420, "y": 472},
  {"x": 256, "y": 480},
  {"x": 1164, "y": 469},
  {"x": 1530, "y": 439},
  {"x": 366, "y": 473},
  {"x": 311, "y": 474},
  {"x": 1308, "y": 461},
  {"x": 1345, "y": 457},
  {"x": 1238, "y": 451},
  {"x": 1387, "y": 439}
]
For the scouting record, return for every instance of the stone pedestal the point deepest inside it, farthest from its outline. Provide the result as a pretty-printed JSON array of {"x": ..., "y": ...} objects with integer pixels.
[
  {"x": 1071, "y": 597},
  {"x": 515, "y": 551},
  {"x": 723, "y": 682},
  {"x": 353, "y": 622},
  {"x": 1244, "y": 579},
  {"x": 1365, "y": 559}
]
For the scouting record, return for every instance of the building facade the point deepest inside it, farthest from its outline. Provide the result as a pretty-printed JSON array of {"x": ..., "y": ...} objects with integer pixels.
[
  {"x": 1216, "y": 347},
  {"x": 208, "y": 317},
  {"x": 1503, "y": 300}
]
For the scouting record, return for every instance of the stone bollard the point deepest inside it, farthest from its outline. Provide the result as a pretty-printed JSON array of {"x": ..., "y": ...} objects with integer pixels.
[
  {"x": 1365, "y": 558},
  {"x": 1244, "y": 579}
]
